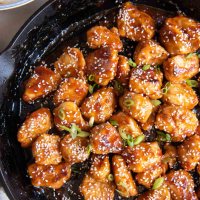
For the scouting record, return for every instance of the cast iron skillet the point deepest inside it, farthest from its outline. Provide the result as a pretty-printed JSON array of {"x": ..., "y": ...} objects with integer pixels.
[{"x": 53, "y": 23}]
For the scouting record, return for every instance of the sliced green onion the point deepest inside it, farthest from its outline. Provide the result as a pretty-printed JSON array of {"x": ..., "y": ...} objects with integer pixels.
[
  {"x": 121, "y": 193},
  {"x": 128, "y": 103},
  {"x": 91, "y": 77},
  {"x": 163, "y": 137},
  {"x": 122, "y": 184},
  {"x": 91, "y": 88},
  {"x": 158, "y": 183},
  {"x": 123, "y": 134},
  {"x": 139, "y": 139},
  {"x": 110, "y": 177},
  {"x": 131, "y": 63},
  {"x": 61, "y": 114},
  {"x": 190, "y": 55},
  {"x": 89, "y": 148},
  {"x": 65, "y": 128},
  {"x": 118, "y": 86},
  {"x": 130, "y": 141},
  {"x": 192, "y": 83},
  {"x": 166, "y": 88},
  {"x": 146, "y": 67},
  {"x": 114, "y": 122},
  {"x": 156, "y": 102},
  {"x": 158, "y": 67},
  {"x": 83, "y": 134},
  {"x": 91, "y": 121}
]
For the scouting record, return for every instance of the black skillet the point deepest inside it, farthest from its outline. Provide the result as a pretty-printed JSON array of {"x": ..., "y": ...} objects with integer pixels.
[{"x": 55, "y": 22}]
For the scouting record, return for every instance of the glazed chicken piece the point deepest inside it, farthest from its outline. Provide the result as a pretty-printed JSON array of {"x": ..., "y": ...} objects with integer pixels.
[
  {"x": 71, "y": 63},
  {"x": 100, "y": 168},
  {"x": 179, "y": 122},
  {"x": 180, "y": 95},
  {"x": 123, "y": 178},
  {"x": 100, "y": 36},
  {"x": 136, "y": 105},
  {"x": 52, "y": 176},
  {"x": 71, "y": 89},
  {"x": 162, "y": 193},
  {"x": 36, "y": 123},
  {"x": 99, "y": 105},
  {"x": 105, "y": 139},
  {"x": 135, "y": 24},
  {"x": 46, "y": 150},
  {"x": 148, "y": 82},
  {"x": 180, "y": 35},
  {"x": 148, "y": 177},
  {"x": 74, "y": 150},
  {"x": 179, "y": 68},
  {"x": 149, "y": 52},
  {"x": 95, "y": 184},
  {"x": 181, "y": 185},
  {"x": 126, "y": 124},
  {"x": 67, "y": 114},
  {"x": 189, "y": 152},
  {"x": 123, "y": 70},
  {"x": 143, "y": 156},
  {"x": 101, "y": 65},
  {"x": 41, "y": 83}
]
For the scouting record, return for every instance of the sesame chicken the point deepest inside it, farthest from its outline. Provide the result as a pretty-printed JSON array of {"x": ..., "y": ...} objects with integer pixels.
[
  {"x": 181, "y": 185},
  {"x": 147, "y": 82},
  {"x": 99, "y": 105},
  {"x": 71, "y": 89},
  {"x": 149, "y": 52},
  {"x": 74, "y": 150},
  {"x": 46, "y": 150},
  {"x": 137, "y": 106},
  {"x": 52, "y": 176},
  {"x": 100, "y": 36},
  {"x": 37, "y": 123},
  {"x": 123, "y": 178},
  {"x": 180, "y": 35},
  {"x": 134, "y": 24},
  {"x": 105, "y": 139},
  {"x": 180, "y": 95},
  {"x": 143, "y": 156},
  {"x": 101, "y": 65},
  {"x": 189, "y": 152},
  {"x": 71, "y": 63},
  {"x": 179, "y": 122},
  {"x": 179, "y": 68},
  {"x": 41, "y": 83}
]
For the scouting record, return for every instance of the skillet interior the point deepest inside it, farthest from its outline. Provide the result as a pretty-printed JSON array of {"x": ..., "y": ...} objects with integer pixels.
[{"x": 68, "y": 19}]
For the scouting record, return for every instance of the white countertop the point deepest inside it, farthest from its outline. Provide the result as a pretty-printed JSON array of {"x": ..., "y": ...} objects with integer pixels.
[{"x": 10, "y": 22}]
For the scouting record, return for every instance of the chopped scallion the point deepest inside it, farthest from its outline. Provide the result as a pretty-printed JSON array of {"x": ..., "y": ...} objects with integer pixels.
[
  {"x": 192, "y": 83},
  {"x": 139, "y": 139},
  {"x": 128, "y": 103},
  {"x": 166, "y": 88},
  {"x": 113, "y": 122},
  {"x": 156, "y": 102},
  {"x": 92, "y": 87},
  {"x": 163, "y": 137},
  {"x": 91, "y": 77},
  {"x": 89, "y": 148},
  {"x": 158, "y": 183},
  {"x": 110, "y": 177},
  {"x": 61, "y": 114},
  {"x": 146, "y": 67},
  {"x": 190, "y": 55},
  {"x": 132, "y": 63},
  {"x": 83, "y": 134}
]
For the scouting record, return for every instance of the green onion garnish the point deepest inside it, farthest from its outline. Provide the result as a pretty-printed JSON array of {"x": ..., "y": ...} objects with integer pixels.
[
  {"x": 128, "y": 103},
  {"x": 91, "y": 121},
  {"x": 163, "y": 137},
  {"x": 192, "y": 83},
  {"x": 131, "y": 63},
  {"x": 83, "y": 134},
  {"x": 89, "y": 148},
  {"x": 146, "y": 67},
  {"x": 190, "y": 55},
  {"x": 61, "y": 114},
  {"x": 110, "y": 177},
  {"x": 158, "y": 183},
  {"x": 91, "y": 88},
  {"x": 118, "y": 86},
  {"x": 130, "y": 141},
  {"x": 156, "y": 102},
  {"x": 166, "y": 88},
  {"x": 113, "y": 122},
  {"x": 123, "y": 134},
  {"x": 91, "y": 77},
  {"x": 139, "y": 139}
]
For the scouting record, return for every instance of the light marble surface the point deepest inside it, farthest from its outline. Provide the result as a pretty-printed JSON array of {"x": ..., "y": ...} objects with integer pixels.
[{"x": 10, "y": 22}]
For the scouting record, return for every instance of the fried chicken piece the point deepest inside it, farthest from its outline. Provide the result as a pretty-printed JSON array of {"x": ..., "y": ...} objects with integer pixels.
[
  {"x": 46, "y": 150},
  {"x": 67, "y": 114},
  {"x": 126, "y": 124},
  {"x": 37, "y": 123},
  {"x": 74, "y": 150},
  {"x": 181, "y": 185},
  {"x": 123, "y": 70},
  {"x": 101, "y": 65},
  {"x": 52, "y": 176},
  {"x": 180, "y": 95},
  {"x": 179, "y": 122},
  {"x": 143, "y": 156},
  {"x": 71, "y": 89},
  {"x": 99, "y": 105},
  {"x": 105, "y": 139},
  {"x": 189, "y": 152},
  {"x": 148, "y": 82},
  {"x": 149, "y": 52},
  {"x": 41, "y": 83},
  {"x": 179, "y": 68},
  {"x": 100, "y": 36},
  {"x": 123, "y": 178},
  {"x": 71, "y": 63},
  {"x": 180, "y": 35},
  {"x": 136, "y": 105},
  {"x": 135, "y": 24}
]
